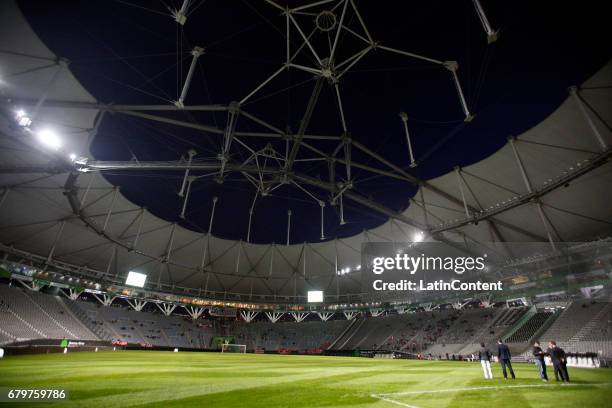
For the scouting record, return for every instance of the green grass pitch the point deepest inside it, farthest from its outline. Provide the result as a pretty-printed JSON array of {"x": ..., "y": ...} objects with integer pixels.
[{"x": 166, "y": 379}]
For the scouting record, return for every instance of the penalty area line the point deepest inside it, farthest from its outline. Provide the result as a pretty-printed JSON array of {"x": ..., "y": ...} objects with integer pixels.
[{"x": 386, "y": 396}]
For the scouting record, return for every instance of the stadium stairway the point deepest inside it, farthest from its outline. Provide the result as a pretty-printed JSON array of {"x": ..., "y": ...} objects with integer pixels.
[
  {"x": 600, "y": 321},
  {"x": 347, "y": 334},
  {"x": 79, "y": 314},
  {"x": 583, "y": 327},
  {"x": 34, "y": 315},
  {"x": 574, "y": 318},
  {"x": 528, "y": 328},
  {"x": 6, "y": 337},
  {"x": 44, "y": 300},
  {"x": 82, "y": 331},
  {"x": 488, "y": 334},
  {"x": 15, "y": 320},
  {"x": 532, "y": 311},
  {"x": 26, "y": 332},
  {"x": 165, "y": 336},
  {"x": 369, "y": 335}
]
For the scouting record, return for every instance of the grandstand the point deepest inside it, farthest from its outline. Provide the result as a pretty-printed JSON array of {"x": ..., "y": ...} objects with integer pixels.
[
  {"x": 583, "y": 327},
  {"x": 297, "y": 178},
  {"x": 30, "y": 315},
  {"x": 309, "y": 336},
  {"x": 156, "y": 329}
]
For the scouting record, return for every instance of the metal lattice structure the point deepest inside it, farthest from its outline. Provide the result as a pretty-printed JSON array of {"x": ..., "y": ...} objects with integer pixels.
[{"x": 62, "y": 213}]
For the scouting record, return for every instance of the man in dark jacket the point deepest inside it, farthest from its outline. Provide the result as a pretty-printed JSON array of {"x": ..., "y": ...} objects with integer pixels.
[
  {"x": 504, "y": 356},
  {"x": 557, "y": 355},
  {"x": 538, "y": 354}
]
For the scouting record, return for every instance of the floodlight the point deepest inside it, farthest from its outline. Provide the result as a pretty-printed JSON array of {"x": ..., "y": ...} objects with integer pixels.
[
  {"x": 73, "y": 156},
  {"x": 135, "y": 279},
  {"x": 315, "y": 296},
  {"x": 49, "y": 138},
  {"x": 22, "y": 118},
  {"x": 418, "y": 236},
  {"x": 24, "y": 121}
]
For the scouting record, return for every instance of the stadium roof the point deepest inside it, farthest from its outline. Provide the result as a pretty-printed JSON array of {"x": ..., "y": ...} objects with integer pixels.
[{"x": 78, "y": 220}]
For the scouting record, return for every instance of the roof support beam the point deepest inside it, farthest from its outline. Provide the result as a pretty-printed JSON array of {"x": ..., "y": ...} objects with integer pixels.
[
  {"x": 365, "y": 29},
  {"x": 5, "y": 193},
  {"x": 228, "y": 137},
  {"x": 306, "y": 40},
  {"x": 176, "y": 122},
  {"x": 410, "y": 54},
  {"x": 58, "y": 236},
  {"x": 491, "y": 34},
  {"x": 337, "y": 36},
  {"x": 94, "y": 132},
  {"x": 521, "y": 167},
  {"x": 61, "y": 64},
  {"x": 264, "y": 83},
  {"x": 110, "y": 208},
  {"x": 602, "y": 143},
  {"x": 304, "y": 124},
  {"x": 117, "y": 108},
  {"x": 298, "y": 177},
  {"x": 196, "y": 52},
  {"x": 460, "y": 183}
]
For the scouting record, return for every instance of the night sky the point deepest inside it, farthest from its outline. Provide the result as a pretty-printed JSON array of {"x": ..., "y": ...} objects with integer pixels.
[{"x": 132, "y": 52}]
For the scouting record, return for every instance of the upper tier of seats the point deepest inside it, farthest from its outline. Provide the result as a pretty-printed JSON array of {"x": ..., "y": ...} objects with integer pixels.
[
  {"x": 530, "y": 327},
  {"x": 429, "y": 331},
  {"x": 574, "y": 318},
  {"x": 152, "y": 328},
  {"x": 27, "y": 315},
  {"x": 306, "y": 335},
  {"x": 584, "y": 327}
]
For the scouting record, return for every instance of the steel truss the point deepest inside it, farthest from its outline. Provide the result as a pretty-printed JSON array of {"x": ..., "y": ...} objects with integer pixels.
[{"x": 266, "y": 178}]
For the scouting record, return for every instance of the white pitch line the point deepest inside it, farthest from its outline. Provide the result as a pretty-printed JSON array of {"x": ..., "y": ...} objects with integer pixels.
[
  {"x": 385, "y": 397},
  {"x": 498, "y": 387},
  {"x": 392, "y": 401}
]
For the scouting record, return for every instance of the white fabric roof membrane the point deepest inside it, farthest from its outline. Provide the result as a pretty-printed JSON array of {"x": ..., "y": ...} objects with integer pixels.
[{"x": 34, "y": 208}]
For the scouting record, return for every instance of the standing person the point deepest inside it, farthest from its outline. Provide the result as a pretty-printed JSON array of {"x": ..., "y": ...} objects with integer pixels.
[
  {"x": 557, "y": 355},
  {"x": 538, "y": 354},
  {"x": 504, "y": 356},
  {"x": 484, "y": 355}
]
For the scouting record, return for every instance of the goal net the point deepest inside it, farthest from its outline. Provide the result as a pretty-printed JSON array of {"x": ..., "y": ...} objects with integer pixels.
[{"x": 233, "y": 348}]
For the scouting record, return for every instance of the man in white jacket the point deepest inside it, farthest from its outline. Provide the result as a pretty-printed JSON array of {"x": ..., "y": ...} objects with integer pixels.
[{"x": 484, "y": 355}]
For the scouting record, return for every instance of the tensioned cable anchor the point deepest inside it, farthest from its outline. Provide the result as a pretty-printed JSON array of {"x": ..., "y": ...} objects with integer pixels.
[
  {"x": 190, "y": 180},
  {"x": 180, "y": 15},
  {"x": 491, "y": 34},
  {"x": 190, "y": 153},
  {"x": 288, "y": 225},
  {"x": 342, "y": 221},
  {"x": 404, "y": 117},
  {"x": 322, "y": 204},
  {"x": 453, "y": 66},
  {"x": 196, "y": 52}
]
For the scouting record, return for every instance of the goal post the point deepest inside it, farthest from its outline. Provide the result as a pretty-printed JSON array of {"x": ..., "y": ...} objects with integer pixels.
[{"x": 233, "y": 348}]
